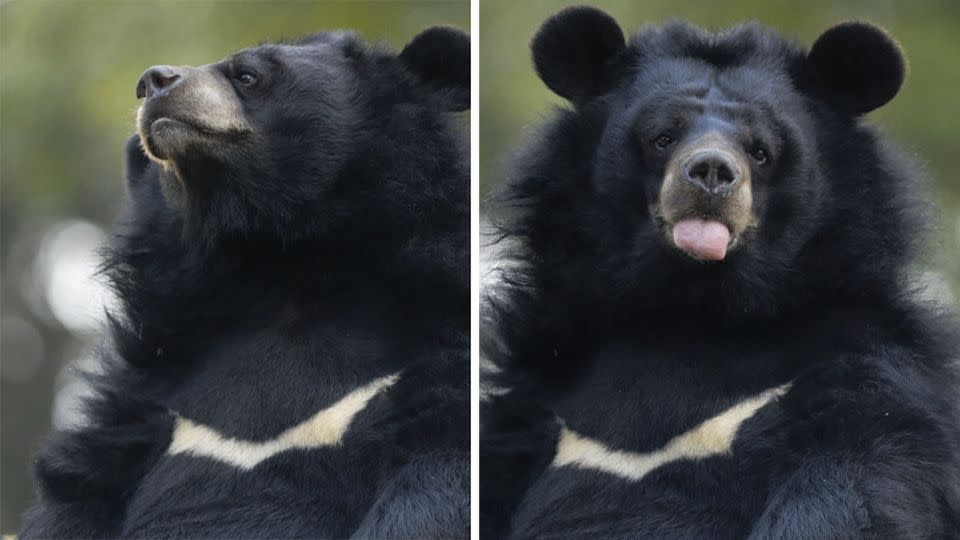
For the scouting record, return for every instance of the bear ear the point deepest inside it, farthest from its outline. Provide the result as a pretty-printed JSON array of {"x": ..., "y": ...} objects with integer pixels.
[
  {"x": 439, "y": 57},
  {"x": 575, "y": 50},
  {"x": 855, "y": 67}
]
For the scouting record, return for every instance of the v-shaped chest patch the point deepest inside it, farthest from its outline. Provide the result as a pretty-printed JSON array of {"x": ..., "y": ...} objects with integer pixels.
[
  {"x": 712, "y": 437},
  {"x": 325, "y": 428}
]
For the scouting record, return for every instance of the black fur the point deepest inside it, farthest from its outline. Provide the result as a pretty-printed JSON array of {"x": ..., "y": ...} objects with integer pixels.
[
  {"x": 601, "y": 323},
  {"x": 438, "y": 57},
  {"x": 856, "y": 66},
  {"x": 330, "y": 250},
  {"x": 575, "y": 52}
]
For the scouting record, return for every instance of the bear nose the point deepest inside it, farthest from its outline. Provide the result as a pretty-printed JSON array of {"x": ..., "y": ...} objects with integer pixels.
[
  {"x": 157, "y": 79},
  {"x": 712, "y": 171}
]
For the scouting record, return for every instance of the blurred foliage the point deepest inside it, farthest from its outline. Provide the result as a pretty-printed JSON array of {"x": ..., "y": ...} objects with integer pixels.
[
  {"x": 923, "y": 118},
  {"x": 68, "y": 70}
]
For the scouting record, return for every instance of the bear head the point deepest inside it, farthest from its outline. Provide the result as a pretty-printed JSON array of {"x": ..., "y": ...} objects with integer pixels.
[
  {"x": 288, "y": 139},
  {"x": 712, "y": 169}
]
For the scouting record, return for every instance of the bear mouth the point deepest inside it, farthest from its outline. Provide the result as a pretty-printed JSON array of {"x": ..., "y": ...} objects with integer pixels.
[
  {"x": 701, "y": 238},
  {"x": 169, "y": 122},
  {"x": 165, "y": 137},
  {"x": 161, "y": 126},
  {"x": 705, "y": 239},
  {"x": 161, "y": 136}
]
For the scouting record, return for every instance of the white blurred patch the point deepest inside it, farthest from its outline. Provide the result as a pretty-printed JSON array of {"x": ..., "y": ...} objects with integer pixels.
[
  {"x": 65, "y": 267},
  {"x": 73, "y": 388},
  {"x": 496, "y": 259},
  {"x": 934, "y": 287}
]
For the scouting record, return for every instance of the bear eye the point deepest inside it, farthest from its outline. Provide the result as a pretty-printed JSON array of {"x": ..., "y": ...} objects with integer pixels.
[
  {"x": 759, "y": 154},
  {"x": 663, "y": 141},
  {"x": 246, "y": 78}
]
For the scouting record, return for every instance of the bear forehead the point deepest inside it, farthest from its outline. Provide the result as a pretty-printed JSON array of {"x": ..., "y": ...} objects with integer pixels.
[
  {"x": 287, "y": 52},
  {"x": 739, "y": 45},
  {"x": 698, "y": 82},
  {"x": 319, "y": 46}
]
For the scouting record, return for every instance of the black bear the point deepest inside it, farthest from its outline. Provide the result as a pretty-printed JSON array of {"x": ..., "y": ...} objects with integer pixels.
[
  {"x": 706, "y": 326},
  {"x": 291, "y": 355}
]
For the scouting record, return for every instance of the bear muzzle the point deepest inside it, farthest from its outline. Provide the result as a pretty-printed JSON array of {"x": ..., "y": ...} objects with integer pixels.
[
  {"x": 186, "y": 108},
  {"x": 706, "y": 202}
]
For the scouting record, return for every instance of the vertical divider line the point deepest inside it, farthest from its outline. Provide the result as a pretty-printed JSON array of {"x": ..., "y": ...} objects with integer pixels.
[{"x": 475, "y": 269}]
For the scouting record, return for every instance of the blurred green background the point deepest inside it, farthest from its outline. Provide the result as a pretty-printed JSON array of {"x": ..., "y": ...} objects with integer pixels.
[
  {"x": 924, "y": 118},
  {"x": 68, "y": 71}
]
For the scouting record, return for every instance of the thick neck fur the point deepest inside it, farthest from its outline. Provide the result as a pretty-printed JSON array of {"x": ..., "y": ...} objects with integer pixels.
[{"x": 186, "y": 273}]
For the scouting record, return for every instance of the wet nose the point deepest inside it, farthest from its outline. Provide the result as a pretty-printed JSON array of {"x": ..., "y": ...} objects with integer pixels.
[
  {"x": 712, "y": 171},
  {"x": 157, "y": 79}
]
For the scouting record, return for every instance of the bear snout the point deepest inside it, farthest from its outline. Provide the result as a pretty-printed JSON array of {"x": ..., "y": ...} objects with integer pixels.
[
  {"x": 706, "y": 199},
  {"x": 158, "y": 79},
  {"x": 187, "y": 109}
]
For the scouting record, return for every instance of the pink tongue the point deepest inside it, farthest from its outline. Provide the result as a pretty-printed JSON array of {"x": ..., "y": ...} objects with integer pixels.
[{"x": 704, "y": 239}]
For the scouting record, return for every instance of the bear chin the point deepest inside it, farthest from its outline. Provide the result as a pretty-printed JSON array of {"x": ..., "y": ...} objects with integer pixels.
[{"x": 166, "y": 138}]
